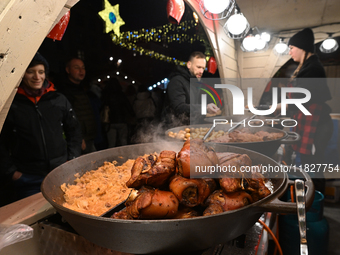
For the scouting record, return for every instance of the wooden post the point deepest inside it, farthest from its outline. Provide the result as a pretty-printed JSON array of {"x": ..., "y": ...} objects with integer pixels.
[{"x": 23, "y": 27}]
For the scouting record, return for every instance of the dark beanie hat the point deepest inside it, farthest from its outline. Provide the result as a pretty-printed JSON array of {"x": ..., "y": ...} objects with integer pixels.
[
  {"x": 38, "y": 59},
  {"x": 303, "y": 40}
]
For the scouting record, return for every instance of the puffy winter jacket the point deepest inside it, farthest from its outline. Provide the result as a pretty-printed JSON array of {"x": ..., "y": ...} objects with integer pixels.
[
  {"x": 32, "y": 138},
  {"x": 182, "y": 101}
]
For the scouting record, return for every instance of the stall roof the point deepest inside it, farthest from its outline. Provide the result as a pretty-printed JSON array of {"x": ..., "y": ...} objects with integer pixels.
[{"x": 281, "y": 15}]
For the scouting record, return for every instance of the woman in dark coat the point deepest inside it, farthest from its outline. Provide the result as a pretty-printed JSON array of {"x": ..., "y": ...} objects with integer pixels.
[
  {"x": 40, "y": 132},
  {"x": 315, "y": 129}
]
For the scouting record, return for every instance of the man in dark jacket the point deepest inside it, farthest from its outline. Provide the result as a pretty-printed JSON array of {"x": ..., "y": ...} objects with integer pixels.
[
  {"x": 39, "y": 133},
  {"x": 179, "y": 92},
  {"x": 74, "y": 90}
]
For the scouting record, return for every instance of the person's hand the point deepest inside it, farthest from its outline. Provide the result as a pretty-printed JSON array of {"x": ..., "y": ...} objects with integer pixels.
[
  {"x": 212, "y": 108},
  {"x": 16, "y": 175},
  {"x": 83, "y": 145}
]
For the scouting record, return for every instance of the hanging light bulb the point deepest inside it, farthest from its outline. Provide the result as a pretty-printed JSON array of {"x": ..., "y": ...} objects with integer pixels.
[
  {"x": 265, "y": 36},
  {"x": 329, "y": 45},
  {"x": 237, "y": 26},
  {"x": 249, "y": 43},
  {"x": 216, "y": 6},
  {"x": 281, "y": 48},
  {"x": 194, "y": 14},
  {"x": 255, "y": 42},
  {"x": 216, "y": 9}
]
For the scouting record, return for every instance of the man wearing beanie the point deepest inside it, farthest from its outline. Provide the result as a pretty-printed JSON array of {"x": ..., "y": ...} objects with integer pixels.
[
  {"x": 315, "y": 129},
  {"x": 32, "y": 139}
]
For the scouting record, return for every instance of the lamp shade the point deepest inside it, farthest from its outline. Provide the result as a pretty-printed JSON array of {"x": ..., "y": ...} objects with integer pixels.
[
  {"x": 216, "y": 9},
  {"x": 175, "y": 10},
  {"x": 249, "y": 43},
  {"x": 236, "y": 26},
  {"x": 59, "y": 29},
  {"x": 281, "y": 48},
  {"x": 216, "y": 6},
  {"x": 329, "y": 45},
  {"x": 212, "y": 65}
]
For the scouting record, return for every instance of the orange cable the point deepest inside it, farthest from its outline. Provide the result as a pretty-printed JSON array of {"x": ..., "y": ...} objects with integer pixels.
[
  {"x": 272, "y": 235},
  {"x": 277, "y": 232},
  {"x": 292, "y": 193}
]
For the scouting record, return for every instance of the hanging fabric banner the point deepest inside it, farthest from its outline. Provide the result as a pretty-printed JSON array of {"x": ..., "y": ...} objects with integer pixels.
[
  {"x": 175, "y": 10},
  {"x": 212, "y": 65},
  {"x": 59, "y": 29}
]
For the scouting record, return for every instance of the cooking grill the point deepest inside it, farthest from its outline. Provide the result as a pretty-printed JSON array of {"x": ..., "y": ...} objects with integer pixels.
[
  {"x": 267, "y": 148},
  {"x": 160, "y": 236},
  {"x": 58, "y": 237}
]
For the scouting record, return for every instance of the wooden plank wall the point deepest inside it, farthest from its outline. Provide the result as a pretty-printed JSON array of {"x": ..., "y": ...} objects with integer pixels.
[
  {"x": 224, "y": 51},
  {"x": 23, "y": 27}
]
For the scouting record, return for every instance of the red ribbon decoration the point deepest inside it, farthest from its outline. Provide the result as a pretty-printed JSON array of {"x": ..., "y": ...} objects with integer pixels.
[
  {"x": 212, "y": 65},
  {"x": 59, "y": 29},
  {"x": 175, "y": 10}
]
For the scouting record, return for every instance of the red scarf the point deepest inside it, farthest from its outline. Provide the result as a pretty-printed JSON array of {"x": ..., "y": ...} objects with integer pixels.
[{"x": 35, "y": 95}]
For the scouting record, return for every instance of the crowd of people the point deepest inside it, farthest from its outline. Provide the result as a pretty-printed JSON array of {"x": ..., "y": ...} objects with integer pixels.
[{"x": 49, "y": 124}]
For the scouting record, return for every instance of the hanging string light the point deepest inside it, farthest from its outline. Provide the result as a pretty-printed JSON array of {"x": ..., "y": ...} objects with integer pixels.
[
  {"x": 152, "y": 53},
  {"x": 163, "y": 34},
  {"x": 167, "y": 33}
]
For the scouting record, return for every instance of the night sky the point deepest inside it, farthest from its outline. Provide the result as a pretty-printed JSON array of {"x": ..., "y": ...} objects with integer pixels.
[{"x": 85, "y": 35}]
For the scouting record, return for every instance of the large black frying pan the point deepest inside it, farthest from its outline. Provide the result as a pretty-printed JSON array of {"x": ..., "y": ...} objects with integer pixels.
[
  {"x": 267, "y": 148},
  {"x": 159, "y": 236}
]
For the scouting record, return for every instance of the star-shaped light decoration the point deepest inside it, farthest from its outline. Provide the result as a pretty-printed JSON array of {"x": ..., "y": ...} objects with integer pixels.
[{"x": 111, "y": 17}]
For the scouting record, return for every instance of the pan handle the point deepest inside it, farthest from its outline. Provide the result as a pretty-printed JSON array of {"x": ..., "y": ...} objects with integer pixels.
[
  {"x": 292, "y": 138},
  {"x": 279, "y": 206}
]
